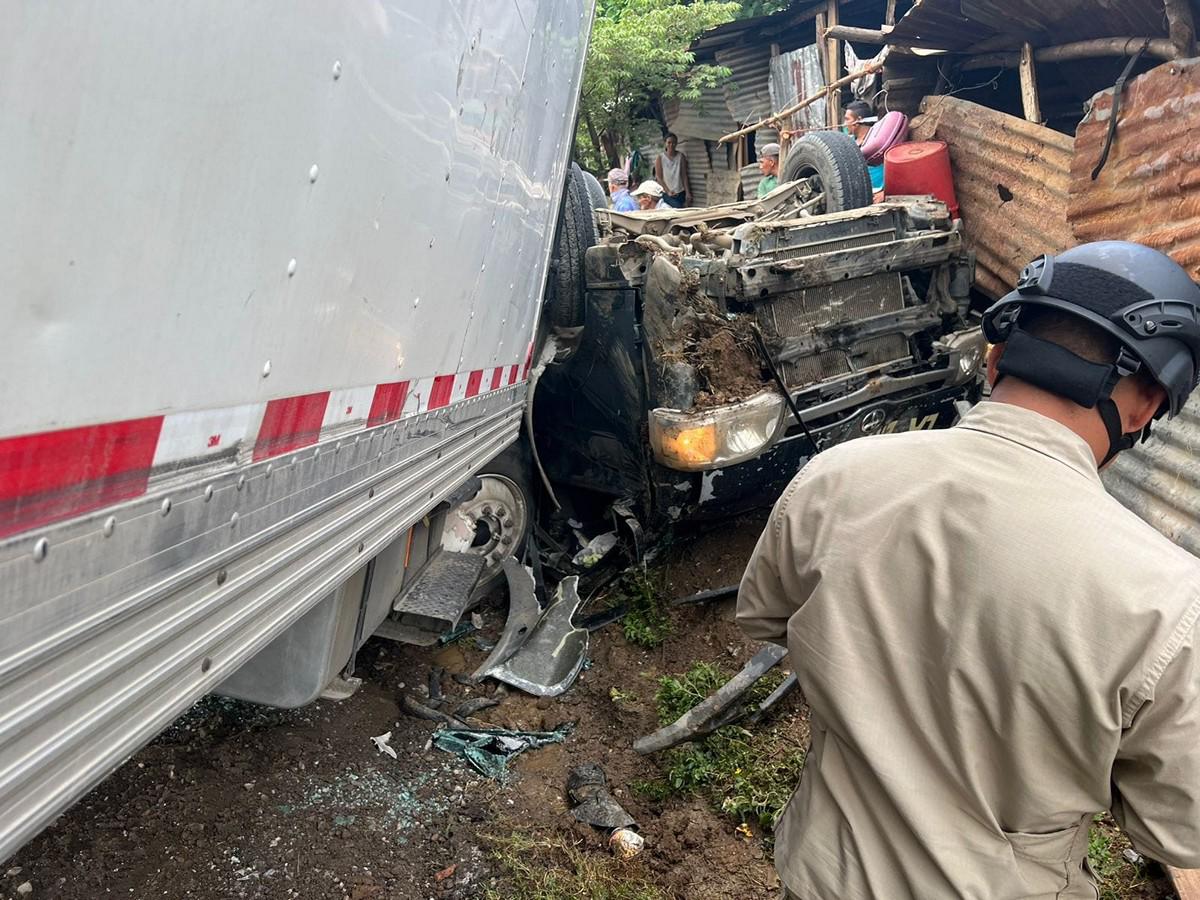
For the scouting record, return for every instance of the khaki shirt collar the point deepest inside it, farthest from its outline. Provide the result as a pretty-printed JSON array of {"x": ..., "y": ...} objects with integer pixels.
[{"x": 1035, "y": 431}]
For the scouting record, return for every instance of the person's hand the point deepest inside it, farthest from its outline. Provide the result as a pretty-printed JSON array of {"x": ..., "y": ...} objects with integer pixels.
[{"x": 687, "y": 199}]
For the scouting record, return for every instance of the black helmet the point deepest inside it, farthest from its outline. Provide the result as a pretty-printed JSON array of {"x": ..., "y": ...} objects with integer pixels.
[{"x": 1137, "y": 295}]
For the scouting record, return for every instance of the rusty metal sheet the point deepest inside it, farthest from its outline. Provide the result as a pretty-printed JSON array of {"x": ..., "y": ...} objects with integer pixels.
[
  {"x": 1011, "y": 178},
  {"x": 1006, "y": 24},
  {"x": 1149, "y": 190},
  {"x": 794, "y": 75}
]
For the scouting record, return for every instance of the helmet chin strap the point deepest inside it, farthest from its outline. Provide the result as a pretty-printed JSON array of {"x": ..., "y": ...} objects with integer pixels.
[{"x": 1117, "y": 439}]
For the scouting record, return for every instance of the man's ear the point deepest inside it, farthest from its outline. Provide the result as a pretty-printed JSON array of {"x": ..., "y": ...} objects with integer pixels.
[
  {"x": 995, "y": 351},
  {"x": 1138, "y": 399}
]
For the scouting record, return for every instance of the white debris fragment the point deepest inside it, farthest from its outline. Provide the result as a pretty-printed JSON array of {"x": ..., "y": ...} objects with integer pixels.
[
  {"x": 477, "y": 621},
  {"x": 24, "y": 888},
  {"x": 595, "y": 549},
  {"x": 13, "y": 872},
  {"x": 381, "y": 742}
]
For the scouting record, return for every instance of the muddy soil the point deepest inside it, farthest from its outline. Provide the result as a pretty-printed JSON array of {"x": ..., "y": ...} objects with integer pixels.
[{"x": 238, "y": 801}]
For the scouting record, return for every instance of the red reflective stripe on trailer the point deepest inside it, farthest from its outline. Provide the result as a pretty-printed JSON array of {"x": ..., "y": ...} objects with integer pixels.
[
  {"x": 388, "y": 403},
  {"x": 59, "y": 474},
  {"x": 290, "y": 423},
  {"x": 512, "y": 375},
  {"x": 474, "y": 380},
  {"x": 439, "y": 394},
  {"x": 497, "y": 377}
]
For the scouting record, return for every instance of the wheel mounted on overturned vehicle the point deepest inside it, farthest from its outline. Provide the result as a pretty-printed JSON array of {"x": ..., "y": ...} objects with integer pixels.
[{"x": 834, "y": 165}]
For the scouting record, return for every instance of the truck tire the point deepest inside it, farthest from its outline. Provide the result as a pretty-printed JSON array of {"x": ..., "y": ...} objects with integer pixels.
[
  {"x": 576, "y": 232},
  {"x": 835, "y": 162},
  {"x": 597, "y": 198}
]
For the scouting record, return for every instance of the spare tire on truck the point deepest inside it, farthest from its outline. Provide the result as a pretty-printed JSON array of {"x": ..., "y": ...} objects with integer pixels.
[
  {"x": 837, "y": 167},
  {"x": 577, "y": 231},
  {"x": 598, "y": 199}
]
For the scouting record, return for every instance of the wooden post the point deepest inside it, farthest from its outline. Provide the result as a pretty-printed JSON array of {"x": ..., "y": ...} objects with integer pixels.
[
  {"x": 1029, "y": 91},
  {"x": 833, "y": 59},
  {"x": 889, "y": 16},
  {"x": 1181, "y": 27}
]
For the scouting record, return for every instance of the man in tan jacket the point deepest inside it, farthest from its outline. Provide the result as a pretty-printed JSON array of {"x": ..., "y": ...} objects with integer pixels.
[{"x": 993, "y": 649}]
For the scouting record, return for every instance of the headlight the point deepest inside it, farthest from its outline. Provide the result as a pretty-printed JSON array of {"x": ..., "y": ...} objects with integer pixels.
[
  {"x": 970, "y": 347},
  {"x": 721, "y": 436}
]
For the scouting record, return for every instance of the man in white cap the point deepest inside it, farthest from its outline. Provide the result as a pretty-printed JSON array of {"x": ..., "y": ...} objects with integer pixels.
[
  {"x": 649, "y": 195},
  {"x": 768, "y": 162},
  {"x": 618, "y": 189}
]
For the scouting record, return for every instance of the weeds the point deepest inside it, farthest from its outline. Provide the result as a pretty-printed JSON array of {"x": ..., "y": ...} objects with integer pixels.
[
  {"x": 646, "y": 623},
  {"x": 545, "y": 866},
  {"x": 656, "y": 790},
  {"x": 1117, "y": 876},
  {"x": 748, "y": 774}
]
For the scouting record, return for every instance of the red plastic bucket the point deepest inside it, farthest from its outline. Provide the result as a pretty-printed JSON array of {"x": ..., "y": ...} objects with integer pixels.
[{"x": 920, "y": 168}]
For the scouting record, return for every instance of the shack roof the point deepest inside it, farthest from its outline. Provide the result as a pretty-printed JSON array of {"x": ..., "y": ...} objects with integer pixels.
[{"x": 980, "y": 25}]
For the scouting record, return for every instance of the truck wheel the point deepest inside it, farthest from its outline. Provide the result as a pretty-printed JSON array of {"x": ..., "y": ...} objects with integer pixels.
[
  {"x": 597, "y": 198},
  {"x": 576, "y": 232},
  {"x": 496, "y": 520},
  {"x": 835, "y": 164}
]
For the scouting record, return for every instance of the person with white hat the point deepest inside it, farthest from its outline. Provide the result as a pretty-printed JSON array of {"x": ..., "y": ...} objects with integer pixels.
[
  {"x": 768, "y": 162},
  {"x": 649, "y": 195}
]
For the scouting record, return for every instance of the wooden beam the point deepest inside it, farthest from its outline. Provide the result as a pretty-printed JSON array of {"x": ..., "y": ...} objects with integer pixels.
[
  {"x": 889, "y": 16},
  {"x": 860, "y": 35},
  {"x": 1160, "y": 48},
  {"x": 870, "y": 67},
  {"x": 833, "y": 58},
  {"x": 1029, "y": 91}
]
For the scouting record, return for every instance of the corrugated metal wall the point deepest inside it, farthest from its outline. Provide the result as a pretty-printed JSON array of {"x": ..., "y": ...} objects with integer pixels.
[
  {"x": 1011, "y": 178},
  {"x": 748, "y": 92},
  {"x": 707, "y": 118},
  {"x": 699, "y": 126},
  {"x": 1149, "y": 189},
  {"x": 1160, "y": 480},
  {"x": 794, "y": 76}
]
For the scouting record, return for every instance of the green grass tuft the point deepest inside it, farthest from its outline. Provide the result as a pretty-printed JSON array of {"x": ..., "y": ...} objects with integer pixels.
[
  {"x": 748, "y": 773},
  {"x": 646, "y": 623},
  {"x": 1119, "y": 879}
]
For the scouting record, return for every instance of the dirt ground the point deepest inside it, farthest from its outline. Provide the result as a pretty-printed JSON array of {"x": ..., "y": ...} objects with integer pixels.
[{"x": 238, "y": 801}]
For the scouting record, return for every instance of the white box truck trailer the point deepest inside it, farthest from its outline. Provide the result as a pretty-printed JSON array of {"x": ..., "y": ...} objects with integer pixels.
[{"x": 272, "y": 275}]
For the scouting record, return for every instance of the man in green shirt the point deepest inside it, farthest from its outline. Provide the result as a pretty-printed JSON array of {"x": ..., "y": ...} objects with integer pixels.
[{"x": 768, "y": 162}]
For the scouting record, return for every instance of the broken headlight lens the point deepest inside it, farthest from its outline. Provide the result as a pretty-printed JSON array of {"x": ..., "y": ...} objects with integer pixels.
[
  {"x": 969, "y": 347},
  {"x": 721, "y": 436}
]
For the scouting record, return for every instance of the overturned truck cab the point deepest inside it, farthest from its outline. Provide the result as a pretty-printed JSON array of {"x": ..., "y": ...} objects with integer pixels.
[{"x": 671, "y": 399}]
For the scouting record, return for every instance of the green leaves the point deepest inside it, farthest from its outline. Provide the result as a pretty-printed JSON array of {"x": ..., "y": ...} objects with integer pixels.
[{"x": 639, "y": 53}]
